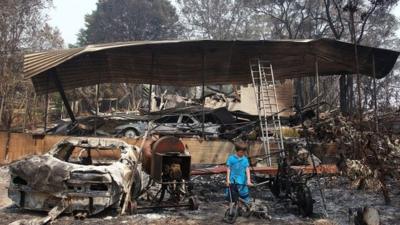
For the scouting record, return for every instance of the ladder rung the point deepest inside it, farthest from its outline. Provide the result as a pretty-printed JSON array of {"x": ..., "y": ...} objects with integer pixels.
[{"x": 267, "y": 105}]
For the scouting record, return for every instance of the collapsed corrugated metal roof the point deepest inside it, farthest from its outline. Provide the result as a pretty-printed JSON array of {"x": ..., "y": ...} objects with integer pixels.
[{"x": 181, "y": 62}]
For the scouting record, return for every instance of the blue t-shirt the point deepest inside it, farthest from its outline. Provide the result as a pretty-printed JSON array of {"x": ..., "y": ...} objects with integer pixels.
[{"x": 238, "y": 168}]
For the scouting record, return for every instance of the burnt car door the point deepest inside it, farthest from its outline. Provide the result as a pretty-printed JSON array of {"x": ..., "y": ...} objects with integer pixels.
[
  {"x": 187, "y": 124},
  {"x": 166, "y": 124}
]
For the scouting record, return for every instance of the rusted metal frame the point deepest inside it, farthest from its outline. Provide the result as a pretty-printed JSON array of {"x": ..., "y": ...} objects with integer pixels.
[
  {"x": 53, "y": 73},
  {"x": 374, "y": 94}
]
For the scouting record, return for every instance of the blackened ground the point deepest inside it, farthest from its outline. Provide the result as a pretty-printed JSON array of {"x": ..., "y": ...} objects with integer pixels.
[{"x": 209, "y": 189}]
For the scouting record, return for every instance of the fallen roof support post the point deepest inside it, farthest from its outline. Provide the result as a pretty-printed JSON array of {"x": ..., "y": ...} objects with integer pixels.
[{"x": 59, "y": 86}]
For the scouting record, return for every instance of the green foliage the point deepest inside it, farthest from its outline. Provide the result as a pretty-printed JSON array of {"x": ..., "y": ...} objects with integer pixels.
[{"x": 127, "y": 20}]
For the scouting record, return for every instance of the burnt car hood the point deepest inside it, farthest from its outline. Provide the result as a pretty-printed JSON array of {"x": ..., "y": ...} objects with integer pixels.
[{"x": 46, "y": 173}]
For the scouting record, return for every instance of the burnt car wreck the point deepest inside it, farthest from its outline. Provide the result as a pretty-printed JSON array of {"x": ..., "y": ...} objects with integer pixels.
[{"x": 85, "y": 175}]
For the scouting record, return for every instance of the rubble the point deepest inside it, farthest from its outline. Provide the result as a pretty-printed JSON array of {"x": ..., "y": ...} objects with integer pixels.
[
  {"x": 212, "y": 206},
  {"x": 304, "y": 157},
  {"x": 367, "y": 158},
  {"x": 361, "y": 176}
]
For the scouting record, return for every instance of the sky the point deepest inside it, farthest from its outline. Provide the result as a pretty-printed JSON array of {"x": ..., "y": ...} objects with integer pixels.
[{"x": 69, "y": 17}]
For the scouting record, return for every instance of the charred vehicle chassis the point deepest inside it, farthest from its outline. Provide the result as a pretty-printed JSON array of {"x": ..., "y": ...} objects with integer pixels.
[{"x": 84, "y": 175}]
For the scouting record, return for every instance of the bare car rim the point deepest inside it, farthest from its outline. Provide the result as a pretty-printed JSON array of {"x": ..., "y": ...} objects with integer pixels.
[{"x": 130, "y": 133}]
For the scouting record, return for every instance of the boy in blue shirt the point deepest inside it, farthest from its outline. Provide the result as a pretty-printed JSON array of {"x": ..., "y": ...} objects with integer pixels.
[{"x": 238, "y": 171}]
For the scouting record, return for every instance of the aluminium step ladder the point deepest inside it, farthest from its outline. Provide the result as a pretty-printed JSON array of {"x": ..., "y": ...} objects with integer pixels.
[{"x": 267, "y": 106}]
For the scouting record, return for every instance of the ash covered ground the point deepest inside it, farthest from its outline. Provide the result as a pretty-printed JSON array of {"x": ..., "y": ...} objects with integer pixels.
[{"x": 209, "y": 190}]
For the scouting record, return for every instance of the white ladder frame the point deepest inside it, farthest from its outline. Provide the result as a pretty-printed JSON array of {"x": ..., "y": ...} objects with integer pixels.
[{"x": 262, "y": 96}]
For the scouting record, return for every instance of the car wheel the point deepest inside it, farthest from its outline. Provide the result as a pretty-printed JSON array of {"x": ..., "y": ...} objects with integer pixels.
[{"x": 130, "y": 133}]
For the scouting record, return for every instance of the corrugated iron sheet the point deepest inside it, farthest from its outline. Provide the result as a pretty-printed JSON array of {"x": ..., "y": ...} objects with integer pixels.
[{"x": 180, "y": 62}]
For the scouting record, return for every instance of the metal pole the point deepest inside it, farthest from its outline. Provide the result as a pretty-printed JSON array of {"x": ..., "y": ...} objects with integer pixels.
[
  {"x": 97, "y": 99},
  {"x": 317, "y": 80},
  {"x": 97, "y": 109},
  {"x": 46, "y": 104},
  {"x": 26, "y": 111},
  {"x": 374, "y": 94},
  {"x": 151, "y": 82},
  {"x": 202, "y": 92},
  {"x": 150, "y": 90}
]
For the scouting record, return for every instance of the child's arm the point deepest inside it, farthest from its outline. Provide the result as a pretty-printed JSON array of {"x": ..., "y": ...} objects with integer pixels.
[
  {"x": 248, "y": 177},
  {"x": 228, "y": 174}
]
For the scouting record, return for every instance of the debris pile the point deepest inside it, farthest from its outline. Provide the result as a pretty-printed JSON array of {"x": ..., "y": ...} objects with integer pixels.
[
  {"x": 366, "y": 157},
  {"x": 361, "y": 175}
]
